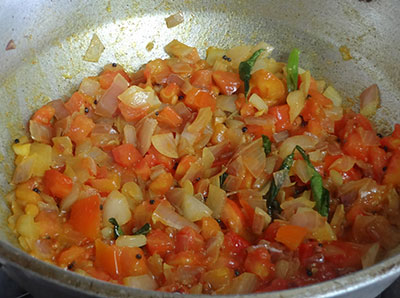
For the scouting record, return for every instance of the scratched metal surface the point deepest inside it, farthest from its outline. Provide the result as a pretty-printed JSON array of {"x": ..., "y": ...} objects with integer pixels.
[{"x": 51, "y": 38}]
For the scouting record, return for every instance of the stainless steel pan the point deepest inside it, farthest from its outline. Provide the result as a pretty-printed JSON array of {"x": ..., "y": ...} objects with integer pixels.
[{"x": 51, "y": 37}]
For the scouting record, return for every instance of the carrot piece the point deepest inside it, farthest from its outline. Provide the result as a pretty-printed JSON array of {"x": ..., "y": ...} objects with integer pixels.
[
  {"x": 44, "y": 115},
  {"x": 197, "y": 99},
  {"x": 291, "y": 236},
  {"x": 132, "y": 114},
  {"x": 126, "y": 155},
  {"x": 169, "y": 117},
  {"x": 85, "y": 216},
  {"x": 57, "y": 184},
  {"x": 80, "y": 128},
  {"x": 227, "y": 82},
  {"x": 162, "y": 183}
]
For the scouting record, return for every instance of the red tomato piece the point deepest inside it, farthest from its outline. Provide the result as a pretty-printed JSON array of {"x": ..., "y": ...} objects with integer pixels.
[
  {"x": 227, "y": 82},
  {"x": 158, "y": 242},
  {"x": 85, "y": 216},
  {"x": 126, "y": 155},
  {"x": 57, "y": 184},
  {"x": 189, "y": 239}
]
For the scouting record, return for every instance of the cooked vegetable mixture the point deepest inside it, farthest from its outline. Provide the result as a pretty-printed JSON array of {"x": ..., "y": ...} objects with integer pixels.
[{"x": 229, "y": 175}]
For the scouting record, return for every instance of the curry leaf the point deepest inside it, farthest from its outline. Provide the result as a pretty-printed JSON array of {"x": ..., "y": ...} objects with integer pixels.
[
  {"x": 293, "y": 70},
  {"x": 266, "y": 144},
  {"x": 222, "y": 179},
  {"x": 144, "y": 230},
  {"x": 245, "y": 68},
  {"x": 320, "y": 193},
  {"x": 117, "y": 229}
]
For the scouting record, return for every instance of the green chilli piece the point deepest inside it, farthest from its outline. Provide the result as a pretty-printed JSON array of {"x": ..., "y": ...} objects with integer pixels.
[
  {"x": 272, "y": 204},
  {"x": 320, "y": 193},
  {"x": 245, "y": 68},
  {"x": 266, "y": 144},
  {"x": 117, "y": 229},
  {"x": 293, "y": 70},
  {"x": 143, "y": 230},
  {"x": 222, "y": 179}
]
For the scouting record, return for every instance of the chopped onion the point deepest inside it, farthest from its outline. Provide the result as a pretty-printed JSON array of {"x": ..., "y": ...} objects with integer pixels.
[
  {"x": 187, "y": 186},
  {"x": 41, "y": 133},
  {"x": 202, "y": 120},
  {"x": 307, "y": 218},
  {"x": 213, "y": 54},
  {"x": 131, "y": 241},
  {"x": 145, "y": 133},
  {"x": 369, "y": 258},
  {"x": 338, "y": 219},
  {"x": 296, "y": 101},
  {"x": 108, "y": 103},
  {"x": 130, "y": 135},
  {"x": 89, "y": 87},
  {"x": 175, "y": 78},
  {"x": 254, "y": 158},
  {"x": 60, "y": 110},
  {"x": 258, "y": 103},
  {"x": 260, "y": 121},
  {"x": 137, "y": 97},
  {"x": 182, "y": 110},
  {"x": 369, "y": 100},
  {"x": 343, "y": 164},
  {"x": 132, "y": 192},
  {"x": 280, "y": 136},
  {"x": 216, "y": 200},
  {"x": 261, "y": 220},
  {"x": 321, "y": 85},
  {"x": 94, "y": 50},
  {"x": 245, "y": 283},
  {"x": 333, "y": 95},
  {"x": 238, "y": 54},
  {"x": 24, "y": 170},
  {"x": 144, "y": 282},
  {"x": 165, "y": 214},
  {"x": 227, "y": 103},
  {"x": 174, "y": 20},
  {"x": 193, "y": 172},
  {"x": 302, "y": 171},
  {"x": 116, "y": 206},
  {"x": 324, "y": 233},
  {"x": 72, "y": 197},
  {"x": 233, "y": 183},
  {"x": 165, "y": 144},
  {"x": 176, "y": 196},
  {"x": 193, "y": 209},
  {"x": 304, "y": 141},
  {"x": 270, "y": 164},
  {"x": 182, "y": 51},
  {"x": 305, "y": 82},
  {"x": 207, "y": 158}
]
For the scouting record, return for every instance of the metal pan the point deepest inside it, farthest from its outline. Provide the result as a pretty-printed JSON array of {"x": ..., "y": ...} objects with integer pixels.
[{"x": 51, "y": 37}]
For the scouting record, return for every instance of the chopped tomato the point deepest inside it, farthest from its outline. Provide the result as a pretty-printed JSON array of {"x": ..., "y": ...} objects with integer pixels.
[
  {"x": 235, "y": 244},
  {"x": 76, "y": 102},
  {"x": 392, "y": 175},
  {"x": 107, "y": 77},
  {"x": 157, "y": 71},
  {"x": 162, "y": 184},
  {"x": 44, "y": 115},
  {"x": 132, "y": 262},
  {"x": 209, "y": 227},
  {"x": 281, "y": 116},
  {"x": 184, "y": 166},
  {"x": 143, "y": 170},
  {"x": 197, "y": 99},
  {"x": 269, "y": 87},
  {"x": 153, "y": 158},
  {"x": 343, "y": 254},
  {"x": 57, "y": 184},
  {"x": 169, "y": 117},
  {"x": 126, "y": 155},
  {"x": 189, "y": 239},
  {"x": 234, "y": 218},
  {"x": 258, "y": 261},
  {"x": 81, "y": 127},
  {"x": 202, "y": 79},
  {"x": 158, "y": 242},
  {"x": 107, "y": 258},
  {"x": 170, "y": 93},
  {"x": 227, "y": 82},
  {"x": 132, "y": 114},
  {"x": 85, "y": 216},
  {"x": 291, "y": 235}
]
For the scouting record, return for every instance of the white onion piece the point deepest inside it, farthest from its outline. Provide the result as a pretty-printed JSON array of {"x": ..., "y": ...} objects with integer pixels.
[
  {"x": 193, "y": 209},
  {"x": 280, "y": 136},
  {"x": 207, "y": 158},
  {"x": 193, "y": 172},
  {"x": 302, "y": 171},
  {"x": 144, "y": 282},
  {"x": 116, "y": 206},
  {"x": 165, "y": 214},
  {"x": 165, "y": 144},
  {"x": 131, "y": 241},
  {"x": 145, "y": 133},
  {"x": 254, "y": 158},
  {"x": 369, "y": 258},
  {"x": 305, "y": 82},
  {"x": 245, "y": 283},
  {"x": 24, "y": 170},
  {"x": 137, "y": 97},
  {"x": 216, "y": 200},
  {"x": 343, "y": 164},
  {"x": 333, "y": 95},
  {"x": 174, "y": 20},
  {"x": 89, "y": 86},
  {"x": 202, "y": 120},
  {"x": 227, "y": 103},
  {"x": 258, "y": 103},
  {"x": 261, "y": 121},
  {"x": 338, "y": 219},
  {"x": 304, "y": 141},
  {"x": 261, "y": 220},
  {"x": 307, "y": 218},
  {"x": 72, "y": 197},
  {"x": 108, "y": 103},
  {"x": 94, "y": 50},
  {"x": 176, "y": 196},
  {"x": 369, "y": 100},
  {"x": 41, "y": 133},
  {"x": 296, "y": 101},
  {"x": 232, "y": 183},
  {"x": 61, "y": 111},
  {"x": 130, "y": 135}
]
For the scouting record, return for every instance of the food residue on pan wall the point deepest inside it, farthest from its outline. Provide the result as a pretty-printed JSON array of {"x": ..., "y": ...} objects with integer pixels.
[
  {"x": 150, "y": 46},
  {"x": 11, "y": 45},
  {"x": 345, "y": 52}
]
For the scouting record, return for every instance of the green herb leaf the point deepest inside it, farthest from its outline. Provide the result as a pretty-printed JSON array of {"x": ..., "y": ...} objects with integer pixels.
[
  {"x": 245, "y": 70},
  {"x": 272, "y": 204},
  {"x": 117, "y": 229},
  {"x": 222, "y": 179},
  {"x": 320, "y": 193},
  {"x": 266, "y": 144},
  {"x": 143, "y": 230},
  {"x": 293, "y": 70}
]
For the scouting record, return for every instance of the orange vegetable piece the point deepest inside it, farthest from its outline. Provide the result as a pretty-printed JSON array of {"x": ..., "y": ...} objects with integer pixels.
[
  {"x": 169, "y": 117},
  {"x": 126, "y": 155},
  {"x": 162, "y": 184},
  {"x": 270, "y": 88},
  {"x": 258, "y": 261},
  {"x": 70, "y": 255},
  {"x": 281, "y": 116},
  {"x": 130, "y": 264},
  {"x": 234, "y": 218},
  {"x": 132, "y": 114},
  {"x": 85, "y": 216},
  {"x": 143, "y": 170},
  {"x": 57, "y": 184},
  {"x": 107, "y": 258},
  {"x": 75, "y": 103},
  {"x": 158, "y": 242},
  {"x": 80, "y": 128},
  {"x": 197, "y": 99},
  {"x": 184, "y": 166},
  {"x": 291, "y": 235},
  {"x": 209, "y": 227},
  {"x": 202, "y": 79},
  {"x": 392, "y": 174},
  {"x": 157, "y": 71},
  {"x": 44, "y": 115},
  {"x": 227, "y": 82},
  {"x": 107, "y": 77},
  {"x": 169, "y": 94}
]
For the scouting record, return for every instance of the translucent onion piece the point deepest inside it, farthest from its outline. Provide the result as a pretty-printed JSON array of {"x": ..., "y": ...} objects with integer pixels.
[
  {"x": 165, "y": 144},
  {"x": 338, "y": 219},
  {"x": 116, "y": 206},
  {"x": 203, "y": 118},
  {"x": 130, "y": 135},
  {"x": 108, "y": 103},
  {"x": 302, "y": 171},
  {"x": 72, "y": 197},
  {"x": 41, "y": 133},
  {"x": 260, "y": 121},
  {"x": 176, "y": 196},
  {"x": 193, "y": 209},
  {"x": 94, "y": 50},
  {"x": 258, "y": 103},
  {"x": 207, "y": 158},
  {"x": 24, "y": 170},
  {"x": 131, "y": 241},
  {"x": 174, "y": 20},
  {"x": 216, "y": 200},
  {"x": 144, "y": 282},
  {"x": 296, "y": 101},
  {"x": 305, "y": 82},
  {"x": 369, "y": 258},
  {"x": 307, "y": 218},
  {"x": 369, "y": 100},
  {"x": 261, "y": 220},
  {"x": 137, "y": 97},
  {"x": 343, "y": 164},
  {"x": 145, "y": 133},
  {"x": 227, "y": 103},
  {"x": 304, "y": 141},
  {"x": 89, "y": 87},
  {"x": 254, "y": 158},
  {"x": 193, "y": 172},
  {"x": 280, "y": 136},
  {"x": 333, "y": 95},
  {"x": 233, "y": 183},
  {"x": 60, "y": 109},
  {"x": 165, "y": 214},
  {"x": 243, "y": 284}
]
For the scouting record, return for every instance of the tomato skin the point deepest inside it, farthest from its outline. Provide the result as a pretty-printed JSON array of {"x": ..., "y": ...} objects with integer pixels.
[
  {"x": 258, "y": 261},
  {"x": 355, "y": 147},
  {"x": 228, "y": 82},
  {"x": 57, "y": 184},
  {"x": 306, "y": 251},
  {"x": 126, "y": 155},
  {"x": 85, "y": 216},
  {"x": 158, "y": 242},
  {"x": 189, "y": 239}
]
